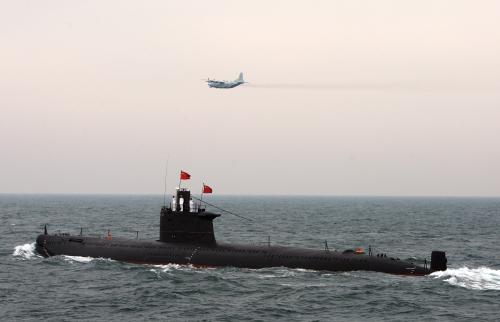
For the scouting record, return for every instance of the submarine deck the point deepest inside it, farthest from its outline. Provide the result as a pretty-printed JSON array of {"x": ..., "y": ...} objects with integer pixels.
[{"x": 220, "y": 254}]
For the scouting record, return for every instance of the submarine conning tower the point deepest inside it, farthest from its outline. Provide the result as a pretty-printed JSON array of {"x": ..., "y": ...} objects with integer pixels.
[{"x": 186, "y": 222}]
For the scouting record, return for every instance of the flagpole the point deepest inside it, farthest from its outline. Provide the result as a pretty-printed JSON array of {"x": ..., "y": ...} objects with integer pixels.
[
  {"x": 201, "y": 196},
  {"x": 165, "y": 192},
  {"x": 177, "y": 200}
]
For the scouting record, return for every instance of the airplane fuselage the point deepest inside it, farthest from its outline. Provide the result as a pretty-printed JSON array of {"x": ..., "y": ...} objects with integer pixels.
[
  {"x": 220, "y": 84},
  {"x": 225, "y": 84}
]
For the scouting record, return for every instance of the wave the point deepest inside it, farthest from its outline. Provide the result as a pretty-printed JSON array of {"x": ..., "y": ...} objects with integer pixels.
[
  {"x": 78, "y": 259},
  {"x": 169, "y": 267},
  {"x": 85, "y": 259},
  {"x": 26, "y": 251},
  {"x": 481, "y": 278},
  {"x": 180, "y": 267}
]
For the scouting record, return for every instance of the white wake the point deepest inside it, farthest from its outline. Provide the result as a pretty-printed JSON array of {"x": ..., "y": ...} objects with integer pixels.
[
  {"x": 78, "y": 259},
  {"x": 84, "y": 259},
  {"x": 26, "y": 251},
  {"x": 481, "y": 278}
]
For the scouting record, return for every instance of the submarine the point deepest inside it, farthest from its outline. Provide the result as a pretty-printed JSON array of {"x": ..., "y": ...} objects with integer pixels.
[{"x": 187, "y": 238}]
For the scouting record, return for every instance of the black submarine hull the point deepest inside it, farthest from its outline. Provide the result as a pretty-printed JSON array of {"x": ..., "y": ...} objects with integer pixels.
[
  {"x": 220, "y": 254},
  {"x": 187, "y": 238}
]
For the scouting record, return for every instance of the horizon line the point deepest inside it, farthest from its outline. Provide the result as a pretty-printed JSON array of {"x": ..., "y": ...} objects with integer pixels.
[{"x": 247, "y": 195}]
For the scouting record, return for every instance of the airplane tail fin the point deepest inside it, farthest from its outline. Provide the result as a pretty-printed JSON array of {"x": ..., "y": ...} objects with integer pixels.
[{"x": 240, "y": 78}]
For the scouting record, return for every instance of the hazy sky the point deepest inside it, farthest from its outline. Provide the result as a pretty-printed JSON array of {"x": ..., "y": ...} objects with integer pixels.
[{"x": 345, "y": 97}]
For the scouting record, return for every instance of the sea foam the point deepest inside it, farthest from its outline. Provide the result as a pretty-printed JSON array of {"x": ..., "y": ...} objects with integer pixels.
[
  {"x": 26, "y": 251},
  {"x": 78, "y": 259},
  {"x": 481, "y": 278}
]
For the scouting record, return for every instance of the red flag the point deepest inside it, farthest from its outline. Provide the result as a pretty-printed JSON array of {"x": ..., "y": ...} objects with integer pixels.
[
  {"x": 185, "y": 175},
  {"x": 207, "y": 189}
]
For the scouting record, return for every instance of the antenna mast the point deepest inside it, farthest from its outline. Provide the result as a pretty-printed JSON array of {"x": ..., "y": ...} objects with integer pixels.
[{"x": 165, "y": 192}]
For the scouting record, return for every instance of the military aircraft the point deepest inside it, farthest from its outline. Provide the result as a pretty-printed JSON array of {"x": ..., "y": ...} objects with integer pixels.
[{"x": 225, "y": 84}]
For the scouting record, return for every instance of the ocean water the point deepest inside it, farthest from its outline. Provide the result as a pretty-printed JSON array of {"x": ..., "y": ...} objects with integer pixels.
[{"x": 65, "y": 288}]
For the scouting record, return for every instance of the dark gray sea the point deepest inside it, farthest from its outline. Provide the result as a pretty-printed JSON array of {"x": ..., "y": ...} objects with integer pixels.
[{"x": 66, "y": 288}]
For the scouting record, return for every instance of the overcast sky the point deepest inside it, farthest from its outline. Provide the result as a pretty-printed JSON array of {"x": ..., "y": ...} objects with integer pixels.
[{"x": 345, "y": 97}]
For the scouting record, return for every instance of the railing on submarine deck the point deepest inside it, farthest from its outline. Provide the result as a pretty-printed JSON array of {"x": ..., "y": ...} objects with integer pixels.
[{"x": 196, "y": 209}]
